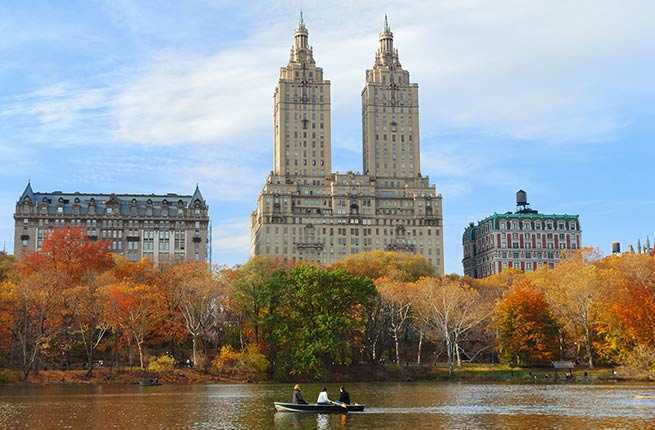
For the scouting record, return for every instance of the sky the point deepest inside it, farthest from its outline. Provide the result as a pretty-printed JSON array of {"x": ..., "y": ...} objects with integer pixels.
[{"x": 136, "y": 96}]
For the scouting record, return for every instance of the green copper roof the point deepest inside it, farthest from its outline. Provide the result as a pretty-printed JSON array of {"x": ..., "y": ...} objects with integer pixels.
[{"x": 528, "y": 215}]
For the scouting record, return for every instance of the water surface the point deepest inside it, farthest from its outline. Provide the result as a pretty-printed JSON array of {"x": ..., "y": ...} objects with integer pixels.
[{"x": 391, "y": 406}]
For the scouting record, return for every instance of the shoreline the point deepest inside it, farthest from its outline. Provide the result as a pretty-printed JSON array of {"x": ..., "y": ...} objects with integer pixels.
[{"x": 466, "y": 374}]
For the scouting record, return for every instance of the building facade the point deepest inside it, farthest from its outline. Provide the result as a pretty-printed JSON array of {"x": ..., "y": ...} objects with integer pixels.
[
  {"x": 524, "y": 240},
  {"x": 307, "y": 212},
  {"x": 163, "y": 228}
]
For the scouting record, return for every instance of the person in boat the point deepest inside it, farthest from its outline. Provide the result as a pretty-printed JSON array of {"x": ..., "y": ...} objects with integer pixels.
[
  {"x": 297, "y": 397},
  {"x": 344, "y": 397},
  {"x": 323, "y": 397}
]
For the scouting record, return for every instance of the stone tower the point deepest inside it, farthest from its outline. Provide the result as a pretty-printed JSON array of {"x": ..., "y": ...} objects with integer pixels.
[
  {"x": 305, "y": 212},
  {"x": 301, "y": 113},
  {"x": 390, "y": 115}
]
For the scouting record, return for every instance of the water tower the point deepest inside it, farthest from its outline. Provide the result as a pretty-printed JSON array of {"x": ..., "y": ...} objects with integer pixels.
[
  {"x": 521, "y": 201},
  {"x": 616, "y": 247}
]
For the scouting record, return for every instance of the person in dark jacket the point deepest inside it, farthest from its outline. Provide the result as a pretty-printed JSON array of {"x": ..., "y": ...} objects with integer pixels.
[
  {"x": 297, "y": 397},
  {"x": 344, "y": 397}
]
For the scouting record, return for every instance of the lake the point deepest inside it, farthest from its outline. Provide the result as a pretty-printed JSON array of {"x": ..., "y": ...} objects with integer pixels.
[{"x": 390, "y": 406}]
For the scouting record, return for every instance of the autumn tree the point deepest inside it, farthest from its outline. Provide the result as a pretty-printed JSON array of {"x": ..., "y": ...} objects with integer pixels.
[
  {"x": 134, "y": 310},
  {"x": 196, "y": 297},
  {"x": 36, "y": 319},
  {"x": 527, "y": 330},
  {"x": 70, "y": 254},
  {"x": 7, "y": 263},
  {"x": 58, "y": 288},
  {"x": 397, "y": 304},
  {"x": 385, "y": 267},
  {"x": 448, "y": 309},
  {"x": 630, "y": 309},
  {"x": 395, "y": 266},
  {"x": 576, "y": 290},
  {"x": 8, "y": 306}
]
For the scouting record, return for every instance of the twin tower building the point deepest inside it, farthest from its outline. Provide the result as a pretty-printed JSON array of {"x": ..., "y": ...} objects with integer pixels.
[{"x": 307, "y": 212}]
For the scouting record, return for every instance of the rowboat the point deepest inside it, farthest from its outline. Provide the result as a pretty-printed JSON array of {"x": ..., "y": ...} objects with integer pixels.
[{"x": 332, "y": 408}]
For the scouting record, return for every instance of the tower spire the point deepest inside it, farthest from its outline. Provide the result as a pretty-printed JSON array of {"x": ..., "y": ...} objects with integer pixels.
[
  {"x": 386, "y": 24},
  {"x": 301, "y": 52}
]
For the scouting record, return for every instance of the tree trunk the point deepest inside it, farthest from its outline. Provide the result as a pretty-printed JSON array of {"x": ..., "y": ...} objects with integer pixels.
[
  {"x": 459, "y": 359},
  {"x": 420, "y": 345},
  {"x": 395, "y": 339},
  {"x": 193, "y": 343},
  {"x": 138, "y": 344},
  {"x": 89, "y": 371},
  {"x": 588, "y": 346},
  {"x": 449, "y": 352}
]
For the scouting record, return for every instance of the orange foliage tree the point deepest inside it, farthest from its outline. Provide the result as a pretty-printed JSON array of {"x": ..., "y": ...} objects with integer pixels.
[
  {"x": 631, "y": 306},
  {"x": 134, "y": 310},
  {"x": 60, "y": 278},
  {"x": 69, "y": 253},
  {"x": 527, "y": 331}
]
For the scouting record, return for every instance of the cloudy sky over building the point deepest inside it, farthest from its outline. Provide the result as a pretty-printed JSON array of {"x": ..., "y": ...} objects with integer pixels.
[{"x": 554, "y": 97}]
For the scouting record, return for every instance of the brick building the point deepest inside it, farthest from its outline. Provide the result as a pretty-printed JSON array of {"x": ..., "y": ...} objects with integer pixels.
[{"x": 525, "y": 240}]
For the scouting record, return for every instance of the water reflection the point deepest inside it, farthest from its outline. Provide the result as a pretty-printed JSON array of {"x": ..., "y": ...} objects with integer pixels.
[{"x": 391, "y": 406}]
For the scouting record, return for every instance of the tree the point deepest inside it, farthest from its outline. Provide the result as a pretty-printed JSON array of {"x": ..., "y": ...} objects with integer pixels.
[
  {"x": 395, "y": 266},
  {"x": 196, "y": 297},
  {"x": 8, "y": 307},
  {"x": 384, "y": 267},
  {"x": 575, "y": 292},
  {"x": 448, "y": 309},
  {"x": 527, "y": 331},
  {"x": 87, "y": 305},
  {"x": 7, "y": 263},
  {"x": 36, "y": 320},
  {"x": 317, "y": 318},
  {"x": 250, "y": 294},
  {"x": 69, "y": 253},
  {"x": 633, "y": 301},
  {"x": 134, "y": 310},
  {"x": 397, "y": 302},
  {"x": 71, "y": 264}
]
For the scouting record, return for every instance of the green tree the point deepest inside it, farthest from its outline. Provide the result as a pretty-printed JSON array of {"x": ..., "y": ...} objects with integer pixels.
[{"x": 317, "y": 319}]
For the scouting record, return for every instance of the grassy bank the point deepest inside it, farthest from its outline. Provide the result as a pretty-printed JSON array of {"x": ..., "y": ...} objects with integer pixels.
[{"x": 438, "y": 373}]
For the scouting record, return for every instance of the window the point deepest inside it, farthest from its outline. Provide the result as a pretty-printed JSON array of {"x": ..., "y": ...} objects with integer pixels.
[{"x": 179, "y": 241}]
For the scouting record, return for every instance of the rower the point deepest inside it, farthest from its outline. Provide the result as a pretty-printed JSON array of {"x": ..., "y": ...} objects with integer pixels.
[
  {"x": 344, "y": 397},
  {"x": 297, "y": 397},
  {"x": 323, "y": 397}
]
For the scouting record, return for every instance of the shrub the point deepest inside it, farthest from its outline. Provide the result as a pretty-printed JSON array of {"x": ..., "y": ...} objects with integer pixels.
[
  {"x": 249, "y": 363},
  {"x": 163, "y": 363}
]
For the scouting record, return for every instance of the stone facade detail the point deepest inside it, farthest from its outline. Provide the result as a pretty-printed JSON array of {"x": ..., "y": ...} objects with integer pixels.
[
  {"x": 305, "y": 211},
  {"x": 524, "y": 240},
  {"x": 163, "y": 228}
]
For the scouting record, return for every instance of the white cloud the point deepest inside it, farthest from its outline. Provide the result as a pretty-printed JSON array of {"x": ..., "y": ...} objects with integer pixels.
[
  {"x": 534, "y": 71},
  {"x": 231, "y": 236}
]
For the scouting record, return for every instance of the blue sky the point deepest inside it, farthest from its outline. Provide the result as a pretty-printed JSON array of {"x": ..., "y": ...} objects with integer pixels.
[{"x": 554, "y": 97}]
